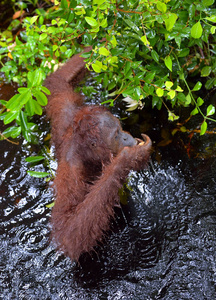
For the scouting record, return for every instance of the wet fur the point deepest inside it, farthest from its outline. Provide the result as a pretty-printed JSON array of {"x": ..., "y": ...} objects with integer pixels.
[{"x": 89, "y": 175}]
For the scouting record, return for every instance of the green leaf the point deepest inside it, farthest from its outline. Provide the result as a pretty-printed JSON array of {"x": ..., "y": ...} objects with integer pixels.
[
  {"x": 196, "y": 30},
  {"x": 211, "y": 18},
  {"x": 160, "y": 92},
  {"x": 45, "y": 90},
  {"x": 149, "y": 77},
  {"x": 168, "y": 84},
  {"x": 104, "y": 23},
  {"x": 188, "y": 99},
  {"x": 17, "y": 101},
  {"x": 200, "y": 101},
  {"x": 12, "y": 131},
  {"x": 178, "y": 41},
  {"x": 113, "y": 41},
  {"x": 155, "y": 55},
  {"x": 133, "y": 26},
  {"x": 197, "y": 86},
  {"x": 43, "y": 36},
  {"x": 183, "y": 129},
  {"x": 30, "y": 108},
  {"x": 33, "y": 159},
  {"x": 13, "y": 102},
  {"x": 55, "y": 47},
  {"x": 41, "y": 98},
  {"x": 91, "y": 21},
  {"x": 22, "y": 90},
  {"x": 212, "y": 29},
  {"x": 35, "y": 77},
  {"x": 207, "y": 2},
  {"x": 103, "y": 51},
  {"x": 194, "y": 112},
  {"x": 168, "y": 62},
  {"x": 38, "y": 174},
  {"x": 97, "y": 66},
  {"x": 210, "y": 110},
  {"x": 170, "y": 22},
  {"x": 210, "y": 83},
  {"x": 63, "y": 49},
  {"x": 178, "y": 89},
  {"x": 145, "y": 40},
  {"x": 206, "y": 71},
  {"x": 38, "y": 108},
  {"x": 33, "y": 19},
  {"x": 3, "y": 102},
  {"x": 64, "y": 4},
  {"x": 203, "y": 128},
  {"x": 171, "y": 94},
  {"x": 24, "y": 121},
  {"x": 172, "y": 116},
  {"x": 10, "y": 117},
  {"x": 184, "y": 52},
  {"x": 161, "y": 6},
  {"x": 57, "y": 54},
  {"x": 50, "y": 205}
]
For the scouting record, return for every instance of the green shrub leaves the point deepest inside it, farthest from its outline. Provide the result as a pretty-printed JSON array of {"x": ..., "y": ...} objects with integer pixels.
[{"x": 144, "y": 51}]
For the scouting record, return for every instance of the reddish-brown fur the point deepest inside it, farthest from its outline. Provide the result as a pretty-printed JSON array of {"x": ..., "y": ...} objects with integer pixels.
[{"x": 92, "y": 165}]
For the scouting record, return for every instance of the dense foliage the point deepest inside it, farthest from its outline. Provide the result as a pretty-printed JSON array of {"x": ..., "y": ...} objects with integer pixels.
[{"x": 151, "y": 50}]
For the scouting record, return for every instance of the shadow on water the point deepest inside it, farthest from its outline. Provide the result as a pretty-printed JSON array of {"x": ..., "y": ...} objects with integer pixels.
[{"x": 161, "y": 246}]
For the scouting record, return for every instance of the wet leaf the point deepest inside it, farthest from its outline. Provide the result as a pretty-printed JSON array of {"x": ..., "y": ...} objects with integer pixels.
[
  {"x": 38, "y": 174},
  {"x": 103, "y": 51},
  {"x": 20, "y": 101},
  {"x": 183, "y": 129},
  {"x": 184, "y": 52},
  {"x": 200, "y": 101},
  {"x": 97, "y": 66},
  {"x": 10, "y": 117},
  {"x": 211, "y": 19},
  {"x": 208, "y": 2},
  {"x": 33, "y": 159},
  {"x": 12, "y": 131},
  {"x": 210, "y": 110},
  {"x": 194, "y": 112},
  {"x": 33, "y": 19},
  {"x": 188, "y": 99},
  {"x": 43, "y": 36},
  {"x": 161, "y": 6},
  {"x": 38, "y": 108},
  {"x": 179, "y": 89},
  {"x": 45, "y": 90},
  {"x": 41, "y": 98},
  {"x": 155, "y": 55},
  {"x": 160, "y": 92},
  {"x": 172, "y": 116},
  {"x": 170, "y": 22},
  {"x": 91, "y": 21},
  {"x": 30, "y": 107},
  {"x": 212, "y": 29},
  {"x": 197, "y": 86},
  {"x": 168, "y": 62},
  {"x": 196, "y": 30},
  {"x": 203, "y": 128},
  {"x": 171, "y": 94},
  {"x": 206, "y": 71},
  {"x": 168, "y": 84},
  {"x": 50, "y": 205},
  {"x": 145, "y": 40}
]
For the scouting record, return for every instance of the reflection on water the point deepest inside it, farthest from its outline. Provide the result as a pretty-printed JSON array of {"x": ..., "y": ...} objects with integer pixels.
[{"x": 161, "y": 246}]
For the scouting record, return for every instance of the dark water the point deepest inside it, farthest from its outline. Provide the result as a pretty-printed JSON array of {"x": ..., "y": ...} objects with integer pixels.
[{"x": 162, "y": 245}]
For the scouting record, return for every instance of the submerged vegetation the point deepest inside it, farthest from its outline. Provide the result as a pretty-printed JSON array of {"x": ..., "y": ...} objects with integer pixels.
[{"x": 145, "y": 52}]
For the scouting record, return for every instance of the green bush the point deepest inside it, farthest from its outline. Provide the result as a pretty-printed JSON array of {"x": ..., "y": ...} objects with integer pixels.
[{"x": 150, "y": 52}]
